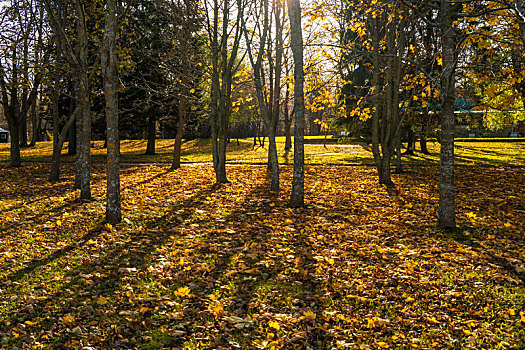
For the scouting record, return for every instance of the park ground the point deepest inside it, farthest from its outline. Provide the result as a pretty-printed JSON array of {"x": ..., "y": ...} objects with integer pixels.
[{"x": 199, "y": 266}]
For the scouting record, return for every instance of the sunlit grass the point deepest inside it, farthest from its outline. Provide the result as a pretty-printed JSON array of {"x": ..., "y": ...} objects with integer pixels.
[{"x": 245, "y": 151}]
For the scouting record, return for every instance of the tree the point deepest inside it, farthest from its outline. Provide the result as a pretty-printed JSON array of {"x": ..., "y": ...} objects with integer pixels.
[
  {"x": 224, "y": 47},
  {"x": 447, "y": 207},
  {"x": 109, "y": 73},
  {"x": 77, "y": 57},
  {"x": 268, "y": 86},
  {"x": 22, "y": 45},
  {"x": 296, "y": 43},
  {"x": 187, "y": 19}
]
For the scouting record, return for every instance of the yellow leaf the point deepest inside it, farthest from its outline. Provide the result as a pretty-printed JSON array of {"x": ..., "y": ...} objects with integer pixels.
[
  {"x": 432, "y": 320},
  {"x": 182, "y": 292},
  {"x": 288, "y": 221},
  {"x": 439, "y": 61},
  {"x": 331, "y": 261},
  {"x": 274, "y": 324},
  {"x": 144, "y": 309},
  {"x": 409, "y": 299},
  {"x": 512, "y": 312},
  {"x": 29, "y": 323},
  {"x": 507, "y": 224},
  {"x": 522, "y": 316},
  {"x": 108, "y": 227},
  {"x": 471, "y": 216},
  {"x": 102, "y": 301},
  {"x": 59, "y": 223},
  {"x": 68, "y": 319},
  {"x": 382, "y": 344},
  {"x": 309, "y": 315},
  {"x": 217, "y": 311},
  {"x": 192, "y": 91}
]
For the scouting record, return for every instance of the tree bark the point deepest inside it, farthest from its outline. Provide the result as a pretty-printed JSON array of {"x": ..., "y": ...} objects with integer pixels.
[
  {"x": 296, "y": 37},
  {"x": 14, "y": 130},
  {"x": 109, "y": 73},
  {"x": 447, "y": 208},
  {"x": 411, "y": 142},
  {"x": 23, "y": 132},
  {"x": 183, "y": 102},
  {"x": 54, "y": 173},
  {"x": 34, "y": 124},
  {"x": 152, "y": 133}
]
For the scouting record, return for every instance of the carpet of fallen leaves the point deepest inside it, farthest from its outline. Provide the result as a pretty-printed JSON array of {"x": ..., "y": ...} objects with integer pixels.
[{"x": 196, "y": 266}]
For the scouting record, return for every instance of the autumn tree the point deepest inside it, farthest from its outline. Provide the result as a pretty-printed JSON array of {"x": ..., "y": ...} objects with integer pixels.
[
  {"x": 296, "y": 43},
  {"x": 267, "y": 78},
  {"x": 77, "y": 56},
  {"x": 109, "y": 65},
  {"x": 224, "y": 34},
  {"x": 187, "y": 22},
  {"x": 21, "y": 66}
]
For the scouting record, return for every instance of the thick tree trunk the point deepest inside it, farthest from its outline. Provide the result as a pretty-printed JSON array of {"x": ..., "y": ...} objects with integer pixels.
[
  {"x": 152, "y": 133},
  {"x": 385, "y": 173},
  {"x": 296, "y": 38},
  {"x": 14, "y": 130},
  {"x": 84, "y": 154},
  {"x": 109, "y": 68},
  {"x": 72, "y": 140},
  {"x": 23, "y": 132},
  {"x": 447, "y": 208},
  {"x": 84, "y": 138}
]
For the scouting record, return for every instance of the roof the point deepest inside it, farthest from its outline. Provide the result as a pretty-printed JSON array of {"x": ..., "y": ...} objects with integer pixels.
[{"x": 3, "y": 130}]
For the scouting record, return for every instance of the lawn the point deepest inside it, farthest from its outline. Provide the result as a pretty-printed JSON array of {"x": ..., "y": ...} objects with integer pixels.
[
  {"x": 198, "y": 151},
  {"x": 196, "y": 266}
]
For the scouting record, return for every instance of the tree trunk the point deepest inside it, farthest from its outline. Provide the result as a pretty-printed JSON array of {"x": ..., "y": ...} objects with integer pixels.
[
  {"x": 14, "y": 130},
  {"x": 54, "y": 173},
  {"x": 399, "y": 164},
  {"x": 446, "y": 211},
  {"x": 34, "y": 123},
  {"x": 220, "y": 169},
  {"x": 296, "y": 38},
  {"x": 288, "y": 118},
  {"x": 423, "y": 136},
  {"x": 84, "y": 101},
  {"x": 180, "y": 133},
  {"x": 411, "y": 142},
  {"x": 152, "y": 133},
  {"x": 183, "y": 101},
  {"x": 385, "y": 174},
  {"x": 273, "y": 159},
  {"x": 72, "y": 140},
  {"x": 109, "y": 69},
  {"x": 23, "y": 132}
]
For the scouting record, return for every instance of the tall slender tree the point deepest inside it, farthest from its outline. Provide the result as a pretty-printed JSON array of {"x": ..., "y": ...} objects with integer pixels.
[
  {"x": 109, "y": 73},
  {"x": 296, "y": 43},
  {"x": 447, "y": 207}
]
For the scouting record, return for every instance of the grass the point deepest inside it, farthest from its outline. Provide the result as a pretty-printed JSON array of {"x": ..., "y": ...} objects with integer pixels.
[
  {"x": 359, "y": 266},
  {"x": 199, "y": 266},
  {"x": 198, "y": 151}
]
